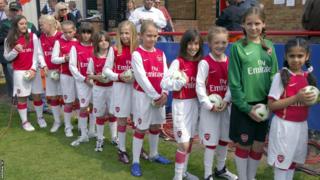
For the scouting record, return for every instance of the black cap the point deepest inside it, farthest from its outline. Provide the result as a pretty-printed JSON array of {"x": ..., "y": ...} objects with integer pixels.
[{"x": 15, "y": 6}]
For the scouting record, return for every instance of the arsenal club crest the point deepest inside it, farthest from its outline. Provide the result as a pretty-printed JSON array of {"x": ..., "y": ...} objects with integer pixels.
[
  {"x": 139, "y": 121},
  {"x": 280, "y": 158},
  {"x": 179, "y": 133},
  {"x": 244, "y": 137},
  {"x": 65, "y": 96},
  {"x": 207, "y": 136},
  {"x": 117, "y": 109},
  {"x": 159, "y": 58}
]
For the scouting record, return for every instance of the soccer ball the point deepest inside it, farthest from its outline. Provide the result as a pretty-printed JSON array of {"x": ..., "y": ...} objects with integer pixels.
[
  {"x": 54, "y": 75},
  {"x": 128, "y": 73},
  {"x": 262, "y": 111},
  {"x": 104, "y": 79},
  {"x": 313, "y": 90},
  {"x": 216, "y": 100},
  {"x": 27, "y": 76},
  {"x": 178, "y": 75}
]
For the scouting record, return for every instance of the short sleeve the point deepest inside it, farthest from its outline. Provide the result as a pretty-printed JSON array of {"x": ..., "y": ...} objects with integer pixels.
[{"x": 276, "y": 89}]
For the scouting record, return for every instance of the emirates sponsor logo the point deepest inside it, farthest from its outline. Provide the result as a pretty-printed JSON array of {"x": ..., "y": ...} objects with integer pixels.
[
  {"x": 207, "y": 136},
  {"x": 258, "y": 70},
  {"x": 27, "y": 50},
  {"x": 123, "y": 68}
]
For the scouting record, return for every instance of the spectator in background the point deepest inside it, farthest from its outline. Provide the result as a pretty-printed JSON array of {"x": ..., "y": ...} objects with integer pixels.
[
  {"x": 148, "y": 12},
  {"x": 15, "y": 9},
  {"x": 169, "y": 27},
  {"x": 131, "y": 6},
  {"x": 231, "y": 17},
  {"x": 62, "y": 13},
  {"x": 76, "y": 12},
  {"x": 310, "y": 18},
  {"x": 48, "y": 8},
  {"x": 3, "y": 4}
]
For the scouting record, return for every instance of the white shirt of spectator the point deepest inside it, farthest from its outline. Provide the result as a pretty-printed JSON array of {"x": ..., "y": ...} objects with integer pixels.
[{"x": 152, "y": 14}]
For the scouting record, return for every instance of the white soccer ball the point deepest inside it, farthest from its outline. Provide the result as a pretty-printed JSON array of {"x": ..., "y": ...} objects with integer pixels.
[
  {"x": 27, "y": 76},
  {"x": 104, "y": 79},
  {"x": 216, "y": 100},
  {"x": 313, "y": 90},
  {"x": 179, "y": 75},
  {"x": 262, "y": 111},
  {"x": 54, "y": 75},
  {"x": 129, "y": 74}
]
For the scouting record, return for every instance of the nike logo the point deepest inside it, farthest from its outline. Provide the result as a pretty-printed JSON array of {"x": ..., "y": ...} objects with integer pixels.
[
  {"x": 249, "y": 53},
  {"x": 211, "y": 72},
  {"x": 145, "y": 59},
  {"x": 63, "y": 46},
  {"x": 291, "y": 85}
]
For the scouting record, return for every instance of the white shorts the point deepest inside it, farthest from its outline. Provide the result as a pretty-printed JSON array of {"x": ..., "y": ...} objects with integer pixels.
[
  {"x": 121, "y": 99},
  {"x": 144, "y": 114},
  {"x": 288, "y": 142},
  {"x": 214, "y": 126},
  {"x": 53, "y": 87},
  {"x": 101, "y": 100},
  {"x": 68, "y": 88},
  {"x": 21, "y": 87},
  {"x": 185, "y": 114},
  {"x": 37, "y": 87},
  {"x": 84, "y": 93}
]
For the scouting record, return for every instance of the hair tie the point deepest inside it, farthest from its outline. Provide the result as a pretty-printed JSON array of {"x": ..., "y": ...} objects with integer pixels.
[{"x": 310, "y": 69}]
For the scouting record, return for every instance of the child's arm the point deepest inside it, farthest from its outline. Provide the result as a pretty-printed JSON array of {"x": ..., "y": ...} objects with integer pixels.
[
  {"x": 235, "y": 85},
  {"x": 41, "y": 59},
  {"x": 108, "y": 66},
  {"x": 55, "y": 59},
  {"x": 276, "y": 91},
  {"x": 203, "y": 69},
  {"x": 9, "y": 54},
  {"x": 35, "y": 60},
  {"x": 141, "y": 77},
  {"x": 73, "y": 65},
  {"x": 90, "y": 68},
  {"x": 170, "y": 84}
]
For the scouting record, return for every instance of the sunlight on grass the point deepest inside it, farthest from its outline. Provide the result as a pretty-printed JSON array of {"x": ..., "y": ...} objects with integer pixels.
[{"x": 43, "y": 155}]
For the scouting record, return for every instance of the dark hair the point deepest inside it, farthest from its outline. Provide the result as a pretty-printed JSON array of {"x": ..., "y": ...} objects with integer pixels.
[
  {"x": 188, "y": 36},
  {"x": 260, "y": 13},
  {"x": 14, "y": 33},
  {"x": 85, "y": 27},
  {"x": 285, "y": 75},
  {"x": 96, "y": 38}
]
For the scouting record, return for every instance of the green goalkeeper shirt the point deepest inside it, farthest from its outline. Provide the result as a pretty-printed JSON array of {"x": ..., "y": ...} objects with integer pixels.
[{"x": 251, "y": 69}]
